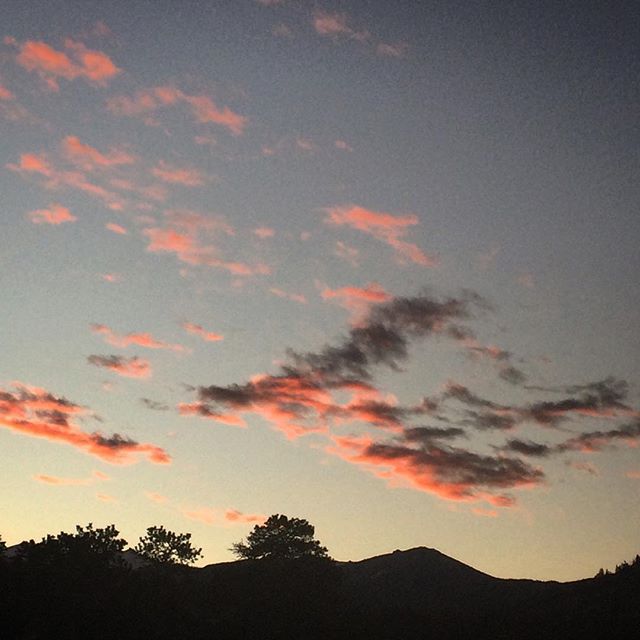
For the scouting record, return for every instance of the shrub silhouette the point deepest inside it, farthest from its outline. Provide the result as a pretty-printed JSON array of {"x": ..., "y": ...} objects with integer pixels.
[{"x": 280, "y": 537}]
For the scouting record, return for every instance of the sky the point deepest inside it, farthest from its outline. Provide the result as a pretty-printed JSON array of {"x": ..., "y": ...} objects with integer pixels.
[{"x": 370, "y": 264}]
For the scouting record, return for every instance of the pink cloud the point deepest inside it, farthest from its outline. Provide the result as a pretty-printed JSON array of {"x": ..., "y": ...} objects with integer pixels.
[
  {"x": 55, "y": 214},
  {"x": 203, "y": 109},
  {"x": 294, "y": 297},
  {"x": 89, "y": 158},
  {"x": 357, "y": 300},
  {"x": 39, "y": 164},
  {"x": 134, "y": 367},
  {"x": 78, "y": 62},
  {"x": 105, "y": 497},
  {"x": 205, "y": 515},
  {"x": 197, "y": 330},
  {"x": 348, "y": 253},
  {"x": 187, "y": 177},
  {"x": 383, "y": 226},
  {"x": 335, "y": 24},
  {"x": 341, "y": 144},
  {"x": 97, "y": 476},
  {"x": 111, "y": 277},
  {"x": 633, "y": 474},
  {"x": 233, "y": 515},
  {"x": 145, "y": 340},
  {"x": 37, "y": 413},
  {"x": 396, "y": 50},
  {"x": 189, "y": 235},
  {"x": 156, "y": 497},
  {"x": 116, "y": 228},
  {"x": 5, "y": 94},
  {"x": 448, "y": 473},
  {"x": 210, "y": 516},
  {"x": 264, "y": 232}
]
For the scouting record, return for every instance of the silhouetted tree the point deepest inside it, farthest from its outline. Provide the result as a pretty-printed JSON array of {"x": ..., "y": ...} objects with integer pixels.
[
  {"x": 280, "y": 537},
  {"x": 86, "y": 545},
  {"x": 160, "y": 546}
]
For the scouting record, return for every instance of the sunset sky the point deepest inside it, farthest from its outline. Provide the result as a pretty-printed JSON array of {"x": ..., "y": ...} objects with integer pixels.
[{"x": 367, "y": 263}]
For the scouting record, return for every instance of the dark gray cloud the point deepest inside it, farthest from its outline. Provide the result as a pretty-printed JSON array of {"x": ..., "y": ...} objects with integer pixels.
[{"x": 155, "y": 405}]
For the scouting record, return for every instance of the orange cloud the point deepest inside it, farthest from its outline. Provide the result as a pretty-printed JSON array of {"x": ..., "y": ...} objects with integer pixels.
[
  {"x": 80, "y": 62},
  {"x": 156, "y": 497},
  {"x": 134, "y": 367},
  {"x": 341, "y": 144},
  {"x": 111, "y": 277},
  {"x": 633, "y": 474},
  {"x": 233, "y": 515},
  {"x": 202, "y": 514},
  {"x": 39, "y": 164},
  {"x": 145, "y": 340},
  {"x": 396, "y": 50},
  {"x": 295, "y": 297},
  {"x": 189, "y": 234},
  {"x": 197, "y": 330},
  {"x": 264, "y": 232},
  {"x": 89, "y": 158},
  {"x": 335, "y": 24},
  {"x": 203, "y": 109},
  {"x": 383, "y": 226},
  {"x": 450, "y": 473},
  {"x": 347, "y": 253},
  {"x": 116, "y": 228},
  {"x": 35, "y": 412},
  {"x": 55, "y": 214},
  {"x": 177, "y": 175},
  {"x": 55, "y": 480},
  {"x": 210, "y": 516},
  {"x": 5, "y": 94},
  {"x": 357, "y": 300},
  {"x": 105, "y": 497}
]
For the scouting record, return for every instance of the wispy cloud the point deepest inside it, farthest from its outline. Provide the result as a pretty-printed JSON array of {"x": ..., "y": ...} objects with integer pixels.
[
  {"x": 116, "y": 228},
  {"x": 89, "y": 158},
  {"x": 39, "y": 164},
  {"x": 264, "y": 232},
  {"x": 356, "y": 300},
  {"x": 147, "y": 102},
  {"x": 387, "y": 227},
  {"x": 190, "y": 236},
  {"x": 55, "y": 214},
  {"x": 338, "y": 25},
  {"x": 308, "y": 393},
  {"x": 97, "y": 476},
  {"x": 186, "y": 176},
  {"x": 52, "y": 65},
  {"x": 197, "y": 330},
  {"x": 211, "y": 516},
  {"x": 294, "y": 297},
  {"x": 35, "y": 412},
  {"x": 144, "y": 339},
  {"x": 133, "y": 367}
]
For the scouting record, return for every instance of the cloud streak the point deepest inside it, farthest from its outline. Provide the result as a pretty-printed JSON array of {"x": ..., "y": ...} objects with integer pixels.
[
  {"x": 76, "y": 61},
  {"x": 383, "y": 226},
  {"x": 123, "y": 341},
  {"x": 133, "y": 367},
  {"x": 147, "y": 102},
  {"x": 35, "y": 412}
]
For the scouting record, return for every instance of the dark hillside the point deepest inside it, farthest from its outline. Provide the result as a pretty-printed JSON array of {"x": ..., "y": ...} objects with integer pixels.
[{"x": 415, "y": 594}]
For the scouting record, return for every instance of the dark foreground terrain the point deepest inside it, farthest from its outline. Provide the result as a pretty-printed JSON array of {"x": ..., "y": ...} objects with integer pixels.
[{"x": 406, "y": 595}]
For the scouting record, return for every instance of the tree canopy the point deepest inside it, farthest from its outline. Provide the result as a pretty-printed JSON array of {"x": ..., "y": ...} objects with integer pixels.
[
  {"x": 280, "y": 537},
  {"x": 160, "y": 546}
]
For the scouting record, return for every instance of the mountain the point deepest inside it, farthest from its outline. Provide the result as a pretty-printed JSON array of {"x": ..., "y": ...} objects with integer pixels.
[{"x": 405, "y": 595}]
